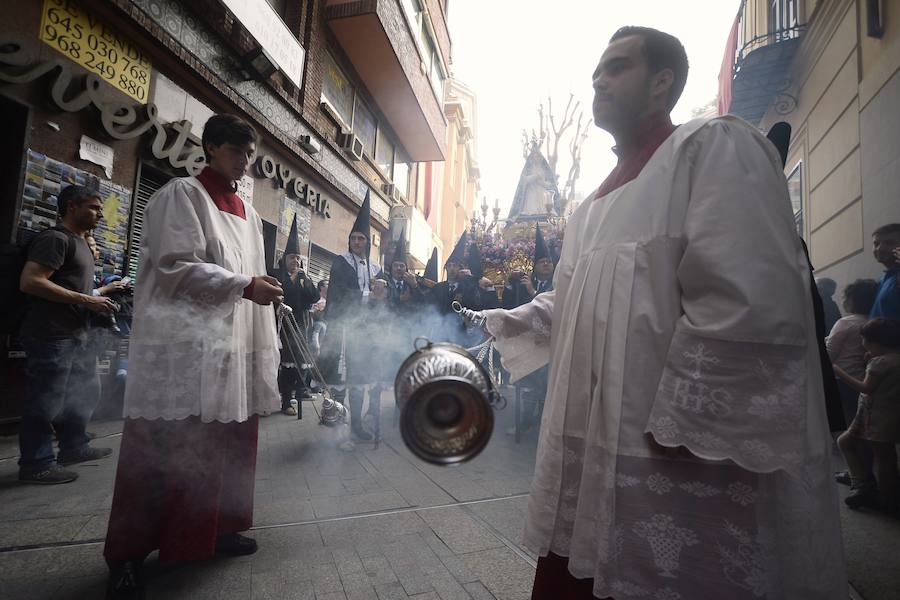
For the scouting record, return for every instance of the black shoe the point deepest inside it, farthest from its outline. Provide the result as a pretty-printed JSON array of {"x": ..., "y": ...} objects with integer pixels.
[
  {"x": 235, "y": 544},
  {"x": 862, "y": 497},
  {"x": 48, "y": 476},
  {"x": 842, "y": 477},
  {"x": 86, "y": 455},
  {"x": 125, "y": 581}
]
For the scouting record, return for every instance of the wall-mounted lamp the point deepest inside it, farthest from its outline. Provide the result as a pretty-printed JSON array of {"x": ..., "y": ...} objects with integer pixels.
[
  {"x": 875, "y": 18},
  {"x": 258, "y": 64}
]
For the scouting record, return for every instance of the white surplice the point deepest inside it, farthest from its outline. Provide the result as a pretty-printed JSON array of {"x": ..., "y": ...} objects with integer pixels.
[
  {"x": 682, "y": 318},
  {"x": 197, "y": 347}
]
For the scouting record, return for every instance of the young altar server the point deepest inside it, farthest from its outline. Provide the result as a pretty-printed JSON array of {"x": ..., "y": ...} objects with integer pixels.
[{"x": 203, "y": 365}]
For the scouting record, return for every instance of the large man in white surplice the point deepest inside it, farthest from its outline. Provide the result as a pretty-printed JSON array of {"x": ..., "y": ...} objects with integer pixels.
[{"x": 684, "y": 451}]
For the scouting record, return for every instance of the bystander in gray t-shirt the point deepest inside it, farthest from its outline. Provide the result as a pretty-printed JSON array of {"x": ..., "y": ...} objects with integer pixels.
[{"x": 73, "y": 269}]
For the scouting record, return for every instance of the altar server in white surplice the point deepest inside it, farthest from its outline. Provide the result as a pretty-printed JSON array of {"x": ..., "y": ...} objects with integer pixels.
[
  {"x": 684, "y": 451},
  {"x": 203, "y": 365}
]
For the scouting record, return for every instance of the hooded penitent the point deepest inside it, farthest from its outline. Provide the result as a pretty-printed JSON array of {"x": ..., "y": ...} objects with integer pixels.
[
  {"x": 459, "y": 251},
  {"x": 361, "y": 225},
  {"x": 540, "y": 246},
  {"x": 473, "y": 261},
  {"x": 293, "y": 241},
  {"x": 399, "y": 249},
  {"x": 431, "y": 269}
]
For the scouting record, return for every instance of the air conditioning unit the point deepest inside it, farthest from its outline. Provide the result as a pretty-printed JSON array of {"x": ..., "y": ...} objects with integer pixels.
[
  {"x": 351, "y": 144},
  {"x": 392, "y": 192},
  {"x": 309, "y": 143}
]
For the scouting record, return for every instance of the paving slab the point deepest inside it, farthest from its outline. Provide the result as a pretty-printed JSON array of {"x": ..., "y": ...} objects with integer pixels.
[
  {"x": 390, "y": 591},
  {"x": 459, "y": 531},
  {"x": 282, "y": 584},
  {"x": 41, "y": 531},
  {"x": 357, "y": 586},
  {"x": 478, "y": 591},
  {"x": 502, "y": 572}
]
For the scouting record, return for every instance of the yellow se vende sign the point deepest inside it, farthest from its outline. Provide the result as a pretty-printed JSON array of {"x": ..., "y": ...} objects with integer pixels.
[{"x": 81, "y": 37}]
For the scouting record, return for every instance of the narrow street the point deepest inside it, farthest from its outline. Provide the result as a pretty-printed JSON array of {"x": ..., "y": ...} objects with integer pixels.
[
  {"x": 677, "y": 222},
  {"x": 331, "y": 524}
]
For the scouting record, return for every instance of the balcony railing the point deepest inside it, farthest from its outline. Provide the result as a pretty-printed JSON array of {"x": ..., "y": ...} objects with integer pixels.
[{"x": 767, "y": 39}]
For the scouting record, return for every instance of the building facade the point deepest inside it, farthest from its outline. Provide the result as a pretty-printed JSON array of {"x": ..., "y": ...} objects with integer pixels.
[
  {"x": 831, "y": 69},
  {"x": 347, "y": 98},
  {"x": 459, "y": 174}
]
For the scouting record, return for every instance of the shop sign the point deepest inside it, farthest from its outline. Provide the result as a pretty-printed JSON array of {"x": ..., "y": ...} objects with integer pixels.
[
  {"x": 266, "y": 167},
  {"x": 245, "y": 189},
  {"x": 68, "y": 28},
  {"x": 119, "y": 121}
]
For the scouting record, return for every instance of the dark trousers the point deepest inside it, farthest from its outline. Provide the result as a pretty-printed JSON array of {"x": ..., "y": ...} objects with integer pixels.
[
  {"x": 357, "y": 396},
  {"x": 534, "y": 391},
  {"x": 291, "y": 383},
  {"x": 61, "y": 385}
]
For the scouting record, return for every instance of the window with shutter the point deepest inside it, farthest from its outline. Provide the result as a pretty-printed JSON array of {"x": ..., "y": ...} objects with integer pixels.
[
  {"x": 319, "y": 264},
  {"x": 150, "y": 181}
]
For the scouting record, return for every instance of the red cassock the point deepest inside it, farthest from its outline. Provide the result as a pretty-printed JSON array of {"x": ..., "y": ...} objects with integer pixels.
[
  {"x": 182, "y": 483},
  {"x": 552, "y": 581},
  {"x": 179, "y": 486}
]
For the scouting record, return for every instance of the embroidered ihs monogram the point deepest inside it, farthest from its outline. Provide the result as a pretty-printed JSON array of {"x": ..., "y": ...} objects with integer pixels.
[{"x": 698, "y": 397}]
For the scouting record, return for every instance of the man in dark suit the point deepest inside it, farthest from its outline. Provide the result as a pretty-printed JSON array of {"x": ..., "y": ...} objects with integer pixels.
[
  {"x": 521, "y": 288},
  {"x": 347, "y": 349},
  {"x": 460, "y": 286}
]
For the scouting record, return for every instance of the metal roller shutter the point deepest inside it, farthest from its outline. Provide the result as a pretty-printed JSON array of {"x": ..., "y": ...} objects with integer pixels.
[
  {"x": 319, "y": 263},
  {"x": 151, "y": 180}
]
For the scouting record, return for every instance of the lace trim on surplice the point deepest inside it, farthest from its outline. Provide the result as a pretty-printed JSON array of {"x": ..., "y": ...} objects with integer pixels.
[{"x": 734, "y": 400}]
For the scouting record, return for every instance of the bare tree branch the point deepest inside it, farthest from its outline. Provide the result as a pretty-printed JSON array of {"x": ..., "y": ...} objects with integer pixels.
[
  {"x": 558, "y": 131},
  {"x": 553, "y": 131},
  {"x": 575, "y": 144}
]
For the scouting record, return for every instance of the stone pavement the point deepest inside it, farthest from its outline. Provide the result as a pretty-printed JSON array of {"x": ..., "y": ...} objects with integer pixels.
[
  {"x": 366, "y": 524},
  {"x": 871, "y": 540},
  {"x": 370, "y": 523}
]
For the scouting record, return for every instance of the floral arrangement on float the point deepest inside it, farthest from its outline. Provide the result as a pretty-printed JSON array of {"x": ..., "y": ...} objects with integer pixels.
[
  {"x": 501, "y": 255},
  {"x": 510, "y": 247}
]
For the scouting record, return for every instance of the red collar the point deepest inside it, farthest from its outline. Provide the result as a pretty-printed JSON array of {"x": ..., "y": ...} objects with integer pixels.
[
  {"x": 636, "y": 152},
  {"x": 651, "y": 131},
  {"x": 222, "y": 191}
]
